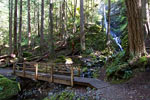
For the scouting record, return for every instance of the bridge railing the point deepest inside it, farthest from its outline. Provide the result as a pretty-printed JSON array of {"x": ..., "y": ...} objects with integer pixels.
[{"x": 49, "y": 68}]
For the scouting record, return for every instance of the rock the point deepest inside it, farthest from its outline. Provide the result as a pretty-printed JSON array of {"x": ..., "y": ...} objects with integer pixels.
[{"x": 8, "y": 88}]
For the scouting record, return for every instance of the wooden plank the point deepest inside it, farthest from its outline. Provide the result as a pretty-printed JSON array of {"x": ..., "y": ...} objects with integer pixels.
[
  {"x": 72, "y": 76},
  {"x": 36, "y": 71},
  {"x": 52, "y": 73},
  {"x": 24, "y": 68},
  {"x": 14, "y": 69}
]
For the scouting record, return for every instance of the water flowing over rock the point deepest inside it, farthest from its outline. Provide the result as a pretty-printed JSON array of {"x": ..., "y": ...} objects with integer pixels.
[{"x": 102, "y": 11}]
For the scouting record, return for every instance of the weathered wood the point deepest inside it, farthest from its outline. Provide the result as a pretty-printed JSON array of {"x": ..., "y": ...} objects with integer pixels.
[
  {"x": 24, "y": 69},
  {"x": 62, "y": 79},
  {"x": 36, "y": 71},
  {"x": 79, "y": 71},
  {"x": 46, "y": 68},
  {"x": 52, "y": 73},
  {"x": 14, "y": 69},
  {"x": 72, "y": 75}
]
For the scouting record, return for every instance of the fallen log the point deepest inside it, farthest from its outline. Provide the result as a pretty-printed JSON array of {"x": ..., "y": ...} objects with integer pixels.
[{"x": 5, "y": 56}]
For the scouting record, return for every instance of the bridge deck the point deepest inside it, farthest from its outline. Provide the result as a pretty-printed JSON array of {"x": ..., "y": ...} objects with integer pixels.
[{"x": 63, "y": 79}]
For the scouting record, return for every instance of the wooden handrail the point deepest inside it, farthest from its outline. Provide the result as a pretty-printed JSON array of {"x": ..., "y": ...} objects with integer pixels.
[
  {"x": 14, "y": 69},
  {"x": 24, "y": 70},
  {"x": 36, "y": 71},
  {"x": 65, "y": 69},
  {"x": 51, "y": 73},
  {"x": 72, "y": 75}
]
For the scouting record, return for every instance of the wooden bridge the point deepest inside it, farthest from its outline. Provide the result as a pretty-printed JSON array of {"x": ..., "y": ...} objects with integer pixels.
[{"x": 56, "y": 73}]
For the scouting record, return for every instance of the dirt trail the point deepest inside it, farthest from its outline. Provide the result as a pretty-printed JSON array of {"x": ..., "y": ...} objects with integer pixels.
[{"x": 6, "y": 72}]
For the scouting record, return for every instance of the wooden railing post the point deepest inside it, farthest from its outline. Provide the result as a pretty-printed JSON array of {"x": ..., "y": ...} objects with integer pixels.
[
  {"x": 14, "y": 69},
  {"x": 24, "y": 69},
  {"x": 79, "y": 71},
  {"x": 52, "y": 73},
  {"x": 36, "y": 71},
  {"x": 46, "y": 68},
  {"x": 72, "y": 75}
]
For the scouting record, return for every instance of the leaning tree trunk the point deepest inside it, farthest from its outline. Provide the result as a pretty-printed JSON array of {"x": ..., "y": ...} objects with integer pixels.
[
  {"x": 135, "y": 29},
  {"x": 15, "y": 27}
]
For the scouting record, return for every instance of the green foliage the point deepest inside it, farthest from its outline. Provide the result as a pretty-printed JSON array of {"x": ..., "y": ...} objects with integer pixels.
[
  {"x": 119, "y": 68},
  {"x": 124, "y": 42},
  {"x": 95, "y": 39},
  {"x": 27, "y": 54},
  {"x": 8, "y": 88},
  {"x": 62, "y": 96},
  {"x": 60, "y": 59},
  {"x": 96, "y": 73},
  {"x": 143, "y": 60}
]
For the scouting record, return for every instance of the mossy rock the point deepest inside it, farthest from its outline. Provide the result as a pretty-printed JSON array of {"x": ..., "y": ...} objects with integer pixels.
[{"x": 8, "y": 88}]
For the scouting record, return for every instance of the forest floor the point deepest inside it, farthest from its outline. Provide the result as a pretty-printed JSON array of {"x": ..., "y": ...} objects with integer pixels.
[{"x": 137, "y": 88}]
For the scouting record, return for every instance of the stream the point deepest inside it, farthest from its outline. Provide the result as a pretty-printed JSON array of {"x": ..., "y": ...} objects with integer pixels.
[{"x": 102, "y": 11}]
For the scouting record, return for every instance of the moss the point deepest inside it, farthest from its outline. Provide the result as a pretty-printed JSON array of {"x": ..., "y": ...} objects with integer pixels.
[
  {"x": 8, "y": 88},
  {"x": 27, "y": 54},
  {"x": 143, "y": 60}
]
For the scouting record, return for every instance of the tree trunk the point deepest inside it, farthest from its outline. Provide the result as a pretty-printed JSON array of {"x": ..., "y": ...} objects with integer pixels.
[
  {"x": 52, "y": 52},
  {"x": 15, "y": 28},
  {"x": 29, "y": 25},
  {"x": 63, "y": 22},
  {"x": 42, "y": 24},
  {"x": 38, "y": 18},
  {"x": 108, "y": 29},
  {"x": 135, "y": 29},
  {"x": 20, "y": 31},
  {"x": 82, "y": 33},
  {"x": 74, "y": 17},
  {"x": 35, "y": 10},
  {"x": 10, "y": 25},
  {"x": 146, "y": 16}
]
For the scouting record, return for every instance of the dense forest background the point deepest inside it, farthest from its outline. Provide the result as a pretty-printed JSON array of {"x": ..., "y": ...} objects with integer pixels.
[{"x": 104, "y": 39}]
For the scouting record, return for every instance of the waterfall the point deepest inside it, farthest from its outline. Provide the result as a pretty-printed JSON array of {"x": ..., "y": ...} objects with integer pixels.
[{"x": 115, "y": 37}]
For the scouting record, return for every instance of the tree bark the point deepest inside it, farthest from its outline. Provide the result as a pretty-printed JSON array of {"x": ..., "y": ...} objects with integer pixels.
[
  {"x": 74, "y": 17},
  {"x": 20, "y": 31},
  {"x": 10, "y": 25},
  {"x": 63, "y": 21},
  {"x": 42, "y": 24},
  {"x": 108, "y": 29},
  {"x": 135, "y": 29},
  {"x": 29, "y": 25},
  {"x": 52, "y": 52},
  {"x": 146, "y": 16},
  {"x": 15, "y": 27},
  {"x": 82, "y": 33},
  {"x": 38, "y": 18}
]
